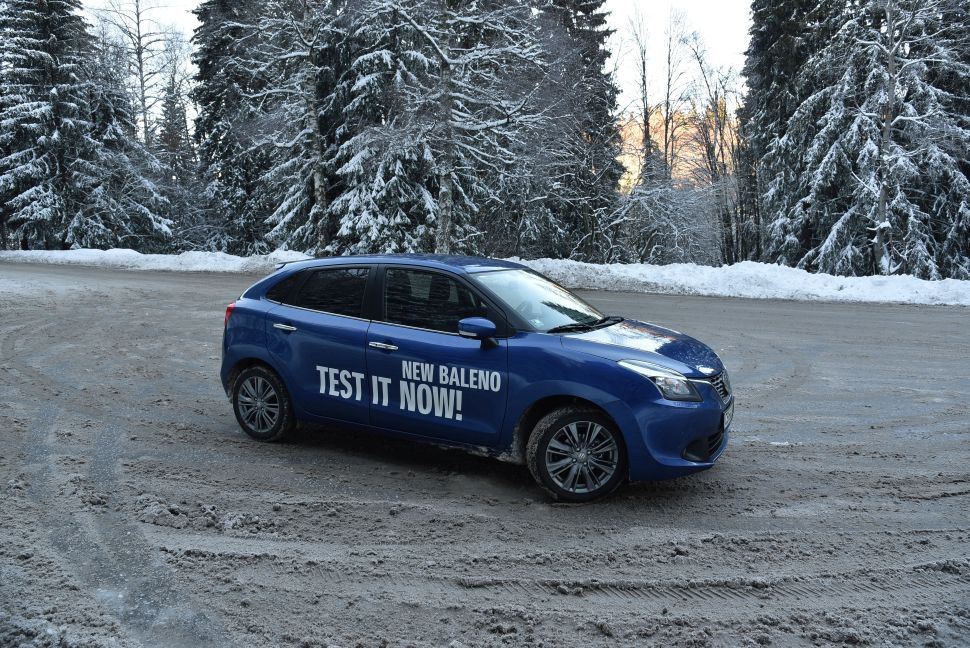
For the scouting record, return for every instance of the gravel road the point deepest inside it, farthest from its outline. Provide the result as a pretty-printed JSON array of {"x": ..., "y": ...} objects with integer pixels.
[{"x": 135, "y": 513}]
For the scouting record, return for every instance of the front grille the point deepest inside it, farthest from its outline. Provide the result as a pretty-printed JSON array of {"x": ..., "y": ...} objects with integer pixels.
[{"x": 719, "y": 386}]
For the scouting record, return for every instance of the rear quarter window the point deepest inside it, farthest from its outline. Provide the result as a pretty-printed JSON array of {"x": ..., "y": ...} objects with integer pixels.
[
  {"x": 283, "y": 290},
  {"x": 339, "y": 291}
]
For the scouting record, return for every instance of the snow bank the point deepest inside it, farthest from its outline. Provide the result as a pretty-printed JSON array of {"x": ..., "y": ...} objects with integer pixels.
[
  {"x": 752, "y": 280},
  {"x": 748, "y": 279},
  {"x": 131, "y": 260}
]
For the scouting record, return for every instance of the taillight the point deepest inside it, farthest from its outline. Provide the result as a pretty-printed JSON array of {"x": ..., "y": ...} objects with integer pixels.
[{"x": 228, "y": 313}]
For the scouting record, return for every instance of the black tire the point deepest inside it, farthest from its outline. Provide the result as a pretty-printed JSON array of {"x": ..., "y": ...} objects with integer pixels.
[
  {"x": 543, "y": 460},
  {"x": 272, "y": 391}
]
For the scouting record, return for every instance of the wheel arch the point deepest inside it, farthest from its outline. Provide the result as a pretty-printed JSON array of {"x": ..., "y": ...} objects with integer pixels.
[
  {"x": 526, "y": 422},
  {"x": 245, "y": 363}
]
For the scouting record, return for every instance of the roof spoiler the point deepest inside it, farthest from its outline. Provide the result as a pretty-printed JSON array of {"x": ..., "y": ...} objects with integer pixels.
[{"x": 282, "y": 264}]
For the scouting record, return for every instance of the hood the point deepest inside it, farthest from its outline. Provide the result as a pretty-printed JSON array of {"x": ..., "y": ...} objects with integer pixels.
[{"x": 633, "y": 340}]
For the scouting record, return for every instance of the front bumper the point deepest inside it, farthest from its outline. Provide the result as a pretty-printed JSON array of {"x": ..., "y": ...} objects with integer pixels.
[{"x": 673, "y": 439}]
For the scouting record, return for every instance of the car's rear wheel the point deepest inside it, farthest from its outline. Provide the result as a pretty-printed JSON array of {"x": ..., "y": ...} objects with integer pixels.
[
  {"x": 262, "y": 404},
  {"x": 576, "y": 454}
]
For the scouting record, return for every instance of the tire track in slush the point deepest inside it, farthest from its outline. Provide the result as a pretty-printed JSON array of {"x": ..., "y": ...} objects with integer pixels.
[
  {"x": 109, "y": 555},
  {"x": 822, "y": 592}
]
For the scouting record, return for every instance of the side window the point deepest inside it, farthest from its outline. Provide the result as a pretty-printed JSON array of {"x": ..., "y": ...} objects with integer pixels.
[
  {"x": 334, "y": 290},
  {"x": 428, "y": 300},
  {"x": 283, "y": 290}
]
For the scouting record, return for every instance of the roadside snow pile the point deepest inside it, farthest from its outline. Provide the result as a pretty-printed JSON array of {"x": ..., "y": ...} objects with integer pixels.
[
  {"x": 752, "y": 280},
  {"x": 131, "y": 260},
  {"x": 747, "y": 279}
]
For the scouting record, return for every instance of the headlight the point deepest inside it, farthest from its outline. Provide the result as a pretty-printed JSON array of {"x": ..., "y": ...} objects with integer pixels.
[{"x": 672, "y": 385}]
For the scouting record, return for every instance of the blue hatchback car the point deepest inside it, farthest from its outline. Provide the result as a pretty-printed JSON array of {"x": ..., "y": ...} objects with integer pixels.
[{"x": 476, "y": 353}]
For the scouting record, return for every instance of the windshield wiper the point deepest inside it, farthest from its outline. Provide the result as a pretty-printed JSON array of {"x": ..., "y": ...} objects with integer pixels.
[{"x": 609, "y": 320}]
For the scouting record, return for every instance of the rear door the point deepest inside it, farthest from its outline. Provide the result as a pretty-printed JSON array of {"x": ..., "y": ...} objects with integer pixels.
[
  {"x": 319, "y": 336},
  {"x": 425, "y": 378}
]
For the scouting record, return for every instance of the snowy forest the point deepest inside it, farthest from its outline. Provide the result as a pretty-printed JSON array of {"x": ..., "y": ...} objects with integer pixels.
[{"x": 490, "y": 127}]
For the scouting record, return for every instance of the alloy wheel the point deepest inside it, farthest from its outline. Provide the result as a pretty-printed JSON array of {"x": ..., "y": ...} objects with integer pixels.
[
  {"x": 259, "y": 404},
  {"x": 581, "y": 457}
]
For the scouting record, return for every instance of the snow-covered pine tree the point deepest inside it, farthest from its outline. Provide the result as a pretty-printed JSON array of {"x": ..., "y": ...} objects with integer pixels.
[
  {"x": 42, "y": 94},
  {"x": 784, "y": 34},
  {"x": 586, "y": 198},
  {"x": 954, "y": 81},
  {"x": 387, "y": 204},
  {"x": 303, "y": 57},
  {"x": 122, "y": 205},
  {"x": 878, "y": 184},
  {"x": 230, "y": 165},
  {"x": 71, "y": 174},
  {"x": 469, "y": 102},
  {"x": 174, "y": 144}
]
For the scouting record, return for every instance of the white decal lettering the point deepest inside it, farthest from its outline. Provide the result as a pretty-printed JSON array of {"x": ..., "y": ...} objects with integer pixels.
[
  {"x": 417, "y": 391},
  {"x": 346, "y": 390},
  {"x": 385, "y": 396},
  {"x": 444, "y": 402},
  {"x": 407, "y": 395},
  {"x": 424, "y": 399}
]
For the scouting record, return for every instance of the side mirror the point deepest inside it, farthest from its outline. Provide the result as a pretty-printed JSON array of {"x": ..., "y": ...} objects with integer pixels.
[{"x": 477, "y": 328}]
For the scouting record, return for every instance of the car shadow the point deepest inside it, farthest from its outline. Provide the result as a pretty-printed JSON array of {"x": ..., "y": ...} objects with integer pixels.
[
  {"x": 405, "y": 454},
  {"x": 392, "y": 454}
]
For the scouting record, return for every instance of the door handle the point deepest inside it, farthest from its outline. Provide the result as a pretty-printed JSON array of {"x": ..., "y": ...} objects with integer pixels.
[
  {"x": 284, "y": 327},
  {"x": 382, "y": 345}
]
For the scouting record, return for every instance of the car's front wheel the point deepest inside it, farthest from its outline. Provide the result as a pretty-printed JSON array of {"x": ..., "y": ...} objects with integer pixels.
[
  {"x": 576, "y": 454},
  {"x": 262, "y": 404}
]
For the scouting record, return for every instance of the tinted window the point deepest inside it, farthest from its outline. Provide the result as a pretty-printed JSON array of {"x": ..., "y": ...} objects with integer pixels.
[
  {"x": 284, "y": 288},
  {"x": 542, "y": 303},
  {"x": 336, "y": 290},
  {"x": 428, "y": 300}
]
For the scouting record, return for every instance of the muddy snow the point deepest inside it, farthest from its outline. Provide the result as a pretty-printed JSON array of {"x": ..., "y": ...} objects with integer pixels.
[{"x": 136, "y": 514}]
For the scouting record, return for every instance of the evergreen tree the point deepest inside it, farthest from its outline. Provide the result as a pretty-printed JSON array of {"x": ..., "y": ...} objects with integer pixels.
[
  {"x": 586, "y": 197},
  {"x": 387, "y": 204},
  {"x": 174, "y": 140},
  {"x": 42, "y": 90},
  {"x": 876, "y": 185},
  {"x": 230, "y": 165},
  {"x": 468, "y": 99},
  {"x": 954, "y": 82},
  {"x": 123, "y": 206},
  {"x": 783, "y": 35},
  {"x": 71, "y": 172},
  {"x": 303, "y": 52}
]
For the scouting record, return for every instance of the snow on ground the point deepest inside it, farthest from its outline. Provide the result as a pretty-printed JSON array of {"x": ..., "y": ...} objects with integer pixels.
[
  {"x": 748, "y": 279},
  {"x": 752, "y": 280},
  {"x": 129, "y": 259}
]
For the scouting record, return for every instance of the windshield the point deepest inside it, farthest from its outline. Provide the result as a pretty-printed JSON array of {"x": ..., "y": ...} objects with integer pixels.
[{"x": 541, "y": 303}]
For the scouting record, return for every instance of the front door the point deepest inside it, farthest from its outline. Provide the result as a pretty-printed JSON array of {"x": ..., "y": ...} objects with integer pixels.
[
  {"x": 424, "y": 378},
  {"x": 319, "y": 337}
]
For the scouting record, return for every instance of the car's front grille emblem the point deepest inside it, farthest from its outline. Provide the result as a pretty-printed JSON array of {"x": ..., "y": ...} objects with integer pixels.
[{"x": 718, "y": 383}]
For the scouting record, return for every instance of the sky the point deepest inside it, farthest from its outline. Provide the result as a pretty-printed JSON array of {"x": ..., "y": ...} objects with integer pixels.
[{"x": 721, "y": 24}]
